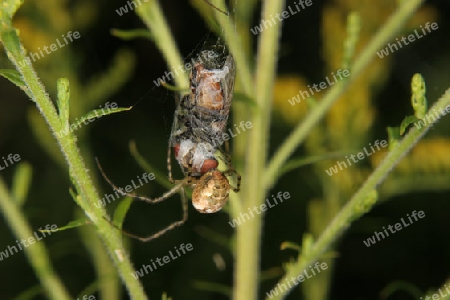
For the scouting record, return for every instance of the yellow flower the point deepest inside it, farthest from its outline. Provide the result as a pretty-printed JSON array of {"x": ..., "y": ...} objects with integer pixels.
[{"x": 287, "y": 99}]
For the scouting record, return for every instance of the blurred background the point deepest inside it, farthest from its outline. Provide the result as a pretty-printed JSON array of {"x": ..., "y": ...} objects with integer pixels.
[{"x": 103, "y": 68}]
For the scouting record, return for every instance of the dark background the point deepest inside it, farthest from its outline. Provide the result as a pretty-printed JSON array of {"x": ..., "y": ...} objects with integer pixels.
[{"x": 417, "y": 255}]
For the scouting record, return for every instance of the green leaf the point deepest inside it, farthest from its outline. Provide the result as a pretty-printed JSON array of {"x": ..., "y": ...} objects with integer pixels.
[
  {"x": 30, "y": 293},
  {"x": 74, "y": 195},
  {"x": 21, "y": 183},
  {"x": 63, "y": 100},
  {"x": 14, "y": 77},
  {"x": 121, "y": 211},
  {"x": 290, "y": 245},
  {"x": 213, "y": 287},
  {"x": 11, "y": 41},
  {"x": 96, "y": 113},
  {"x": 175, "y": 88},
  {"x": 70, "y": 225},
  {"x": 127, "y": 35},
  {"x": 405, "y": 286},
  {"x": 394, "y": 136},
  {"x": 406, "y": 122}
]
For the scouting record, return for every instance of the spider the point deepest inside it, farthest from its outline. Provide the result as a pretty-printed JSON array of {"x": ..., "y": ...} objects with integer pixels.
[
  {"x": 210, "y": 194},
  {"x": 199, "y": 120}
]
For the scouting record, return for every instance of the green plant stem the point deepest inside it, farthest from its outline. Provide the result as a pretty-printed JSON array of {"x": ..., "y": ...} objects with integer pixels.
[
  {"x": 152, "y": 15},
  {"x": 108, "y": 283},
  {"x": 352, "y": 210},
  {"x": 37, "y": 252},
  {"x": 236, "y": 46},
  {"x": 391, "y": 27},
  {"x": 79, "y": 175},
  {"x": 248, "y": 237}
]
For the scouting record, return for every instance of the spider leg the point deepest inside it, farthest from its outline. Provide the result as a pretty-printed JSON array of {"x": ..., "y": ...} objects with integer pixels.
[
  {"x": 166, "y": 195},
  {"x": 178, "y": 187}
]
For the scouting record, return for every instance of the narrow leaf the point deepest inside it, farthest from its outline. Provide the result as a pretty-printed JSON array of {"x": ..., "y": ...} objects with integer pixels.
[
  {"x": 127, "y": 35},
  {"x": 97, "y": 113},
  {"x": 213, "y": 287},
  {"x": 175, "y": 88},
  {"x": 13, "y": 76},
  {"x": 70, "y": 225},
  {"x": 30, "y": 293},
  {"x": 406, "y": 122},
  {"x": 21, "y": 183},
  {"x": 290, "y": 245},
  {"x": 121, "y": 211},
  {"x": 394, "y": 136}
]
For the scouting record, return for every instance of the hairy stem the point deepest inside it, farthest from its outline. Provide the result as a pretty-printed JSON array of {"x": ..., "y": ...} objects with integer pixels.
[
  {"x": 249, "y": 235},
  {"x": 87, "y": 194}
]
